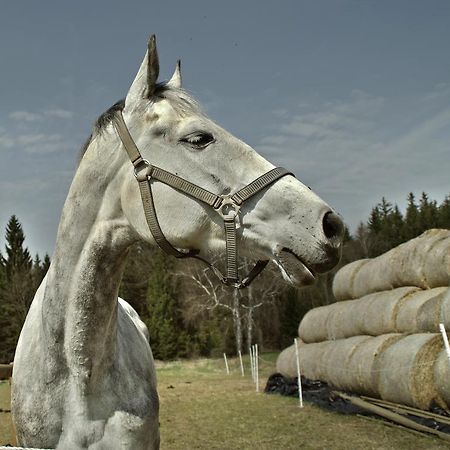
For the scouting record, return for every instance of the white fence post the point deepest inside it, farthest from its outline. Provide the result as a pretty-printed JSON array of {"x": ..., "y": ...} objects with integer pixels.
[
  {"x": 242, "y": 365},
  {"x": 252, "y": 364},
  {"x": 299, "y": 378},
  {"x": 226, "y": 363},
  {"x": 256, "y": 368},
  {"x": 445, "y": 338}
]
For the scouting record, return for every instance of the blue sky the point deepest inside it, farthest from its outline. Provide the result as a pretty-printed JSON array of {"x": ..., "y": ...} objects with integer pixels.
[{"x": 353, "y": 96}]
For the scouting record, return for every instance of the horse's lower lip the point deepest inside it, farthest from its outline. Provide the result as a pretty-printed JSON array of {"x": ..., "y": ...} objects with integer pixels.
[{"x": 297, "y": 272}]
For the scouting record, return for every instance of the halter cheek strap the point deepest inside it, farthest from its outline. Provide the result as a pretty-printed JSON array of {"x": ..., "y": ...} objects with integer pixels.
[{"x": 227, "y": 206}]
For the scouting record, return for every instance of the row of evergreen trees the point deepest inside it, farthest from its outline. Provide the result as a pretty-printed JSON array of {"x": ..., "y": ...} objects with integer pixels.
[
  {"x": 20, "y": 276},
  {"x": 387, "y": 227},
  {"x": 187, "y": 313}
]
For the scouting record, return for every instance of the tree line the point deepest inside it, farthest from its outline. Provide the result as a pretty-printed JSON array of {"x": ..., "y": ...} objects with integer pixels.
[
  {"x": 188, "y": 312},
  {"x": 20, "y": 276}
]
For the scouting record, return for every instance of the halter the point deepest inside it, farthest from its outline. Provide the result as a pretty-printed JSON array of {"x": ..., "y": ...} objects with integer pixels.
[{"x": 227, "y": 206}]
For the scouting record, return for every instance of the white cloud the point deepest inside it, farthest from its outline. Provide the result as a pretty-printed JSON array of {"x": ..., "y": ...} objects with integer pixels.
[
  {"x": 40, "y": 143},
  {"x": 29, "y": 116},
  {"x": 441, "y": 91},
  {"x": 25, "y": 116},
  {"x": 5, "y": 141},
  {"x": 420, "y": 134},
  {"x": 59, "y": 113},
  {"x": 354, "y": 151},
  {"x": 34, "y": 132}
]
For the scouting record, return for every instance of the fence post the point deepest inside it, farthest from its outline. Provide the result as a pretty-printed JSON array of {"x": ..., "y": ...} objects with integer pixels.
[
  {"x": 445, "y": 338},
  {"x": 226, "y": 363},
  {"x": 257, "y": 367},
  {"x": 252, "y": 364},
  {"x": 242, "y": 365},
  {"x": 299, "y": 378}
]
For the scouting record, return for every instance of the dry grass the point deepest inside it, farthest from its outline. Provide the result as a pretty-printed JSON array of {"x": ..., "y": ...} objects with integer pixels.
[
  {"x": 6, "y": 434},
  {"x": 203, "y": 408}
]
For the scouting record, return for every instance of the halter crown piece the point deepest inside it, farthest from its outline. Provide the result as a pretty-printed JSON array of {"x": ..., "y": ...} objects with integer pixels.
[{"x": 227, "y": 206}]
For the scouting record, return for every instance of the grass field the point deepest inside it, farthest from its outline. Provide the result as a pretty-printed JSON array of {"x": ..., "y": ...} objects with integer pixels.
[{"x": 203, "y": 408}]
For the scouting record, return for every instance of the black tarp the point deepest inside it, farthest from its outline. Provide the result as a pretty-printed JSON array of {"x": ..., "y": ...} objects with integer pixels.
[{"x": 321, "y": 394}]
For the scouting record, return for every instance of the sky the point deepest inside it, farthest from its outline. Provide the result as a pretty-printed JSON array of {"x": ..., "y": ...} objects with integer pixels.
[{"x": 353, "y": 96}]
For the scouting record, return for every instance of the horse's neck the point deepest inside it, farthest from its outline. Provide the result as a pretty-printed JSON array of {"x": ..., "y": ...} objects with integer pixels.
[{"x": 80, "y": 300}]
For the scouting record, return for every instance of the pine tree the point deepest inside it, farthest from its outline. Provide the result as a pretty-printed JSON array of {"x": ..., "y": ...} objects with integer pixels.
[
  {"x": 46, "y": 264},
  {"x": 17, "y": 289},
  {"x": 292, "y": 311},
  {"x": 444, "y": 213},
  {"x": 395, "y": 228},
  {"x": 412, "y": 224},
  {"x": 374, "y": 223},
  {"x": 163, "y": 317},
  {"x": 385, "y": 208},
  {"x": 379, "y": 228},
  {"x": 134, "y": 285},
  {"x": 3, "y": 311},
  {"x": 428, "y": 213},
  {"x": 17, "y": 257}
]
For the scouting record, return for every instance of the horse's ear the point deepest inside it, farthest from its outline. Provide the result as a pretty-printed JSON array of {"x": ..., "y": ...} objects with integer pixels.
[
  {"x": 153, "y": 66},
  {"x": 144, "y": 84},
  {"x": 175, "y": 81}
]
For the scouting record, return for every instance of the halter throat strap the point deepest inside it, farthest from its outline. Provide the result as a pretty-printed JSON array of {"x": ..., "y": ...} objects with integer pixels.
[{"x": 227, "y": 206}]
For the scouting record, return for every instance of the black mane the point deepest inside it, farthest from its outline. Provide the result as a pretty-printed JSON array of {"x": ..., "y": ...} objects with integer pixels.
[{"x": 101, "y": 122}]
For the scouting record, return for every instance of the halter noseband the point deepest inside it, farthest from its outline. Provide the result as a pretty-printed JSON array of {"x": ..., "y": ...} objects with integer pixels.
[{"x": 227, "y": 206}]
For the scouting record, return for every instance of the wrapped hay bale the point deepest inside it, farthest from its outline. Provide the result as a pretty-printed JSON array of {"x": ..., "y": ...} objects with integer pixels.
[
  {"x": 442, "y": 377},
  {"x": 407, "y": 317},
  {"x": 373, "y": 315},
  {"x": 363, "y": 363},
  {"x": 344, "y": 278},
  {"x": 284, "y": 362},
  {"x": 394, "y": 367},
  {"x": 429, "y": 314},
  {"x": 408, "y": 259},
  {"x": 345, "y": 364},
  {"x": 312, "y": 359},
  {"x": 414, "y": 263},
  {"x": 336, "y": 362},
  {"x": 374, "y": 277},
  {"x": 445, "y": 309},
  {"x": 406, "y": 370},
  {"x": 313, "y": 326},
  {"x": 339, "y": 325},
  {"x": 436, "y": 265}
]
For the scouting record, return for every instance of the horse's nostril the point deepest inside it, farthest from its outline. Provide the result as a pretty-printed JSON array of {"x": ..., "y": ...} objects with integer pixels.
[{"x": 332, "y": 225}]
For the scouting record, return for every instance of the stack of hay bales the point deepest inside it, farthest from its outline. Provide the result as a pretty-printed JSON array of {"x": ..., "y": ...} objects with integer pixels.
[{"x": 382, "y": 336}]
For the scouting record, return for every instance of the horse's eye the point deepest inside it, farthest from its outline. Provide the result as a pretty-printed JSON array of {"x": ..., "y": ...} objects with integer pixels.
[{"x": 198, "y": 140}]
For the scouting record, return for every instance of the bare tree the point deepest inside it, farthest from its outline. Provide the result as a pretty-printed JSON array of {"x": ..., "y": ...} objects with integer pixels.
[
  {"x": 265, "y": 290},
  {"x": 208, "y": 293}
]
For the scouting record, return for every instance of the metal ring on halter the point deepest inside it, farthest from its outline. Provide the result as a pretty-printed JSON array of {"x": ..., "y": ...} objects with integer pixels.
[
  {"x": 143, "y": 170},
  {"x": 228, "y": 208}
]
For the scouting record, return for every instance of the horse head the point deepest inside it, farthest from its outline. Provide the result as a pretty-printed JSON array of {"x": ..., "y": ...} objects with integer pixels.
[{"x": 284, "y": 221}]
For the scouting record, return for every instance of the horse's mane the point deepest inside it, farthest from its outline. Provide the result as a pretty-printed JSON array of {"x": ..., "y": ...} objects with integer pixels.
[{"x": 179, "y": 99}]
